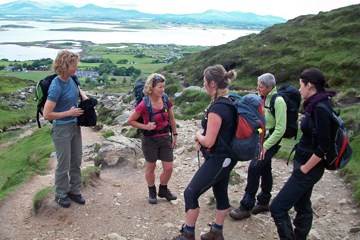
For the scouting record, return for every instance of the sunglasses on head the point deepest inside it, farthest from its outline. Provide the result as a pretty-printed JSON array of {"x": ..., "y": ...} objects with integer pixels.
[{"x": 157, "y": 79}]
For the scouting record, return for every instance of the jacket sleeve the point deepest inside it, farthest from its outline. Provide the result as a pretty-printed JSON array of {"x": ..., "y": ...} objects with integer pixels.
[
  {"x": 280, "y": 123},
  {"x": 323, "y": 131}
]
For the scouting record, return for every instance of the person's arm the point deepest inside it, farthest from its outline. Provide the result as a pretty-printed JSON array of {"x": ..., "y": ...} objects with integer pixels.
[
  {"x": 49, "y": 113},
  {"x": 132, "y": 121},
  {"x": 212, "y": 131},
  {"x": 322, "y": 121},
  {"x": 83, "y": 95},
  {"x": 280, "y": 123},
  {"x": 173, "y": 126}
]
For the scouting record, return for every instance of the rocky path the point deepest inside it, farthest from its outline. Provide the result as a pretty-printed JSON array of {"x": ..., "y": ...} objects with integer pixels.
[{"x": 116, "y": 207}]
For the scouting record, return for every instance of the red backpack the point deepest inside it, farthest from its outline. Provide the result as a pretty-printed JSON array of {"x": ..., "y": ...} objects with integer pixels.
[{"x": 250, "y": 127}]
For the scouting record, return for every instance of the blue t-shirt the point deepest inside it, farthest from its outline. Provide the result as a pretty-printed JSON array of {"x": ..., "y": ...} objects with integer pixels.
[{"x": 65, "y": 94}]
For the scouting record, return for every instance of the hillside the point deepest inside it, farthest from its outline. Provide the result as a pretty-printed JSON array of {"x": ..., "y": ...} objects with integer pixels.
[{"x": 328, "y": 40}]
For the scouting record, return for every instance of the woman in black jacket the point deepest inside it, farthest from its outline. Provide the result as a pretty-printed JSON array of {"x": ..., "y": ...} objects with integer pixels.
[{"x": 309, "y": 163}]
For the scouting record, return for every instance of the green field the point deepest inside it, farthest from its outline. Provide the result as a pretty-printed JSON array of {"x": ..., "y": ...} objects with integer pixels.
[{"x": 30, "y": 75}]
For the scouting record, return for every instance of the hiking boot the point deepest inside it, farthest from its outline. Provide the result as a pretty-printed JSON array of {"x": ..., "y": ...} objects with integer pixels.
[
  {"x": 63, "y": 202},
  {"x": 213, "y": 234},
  {"x": 78, "y": 198},
  {"x": 239, "y": 213},
  {"x": 184, "y": 235},
  {"x": 259, "y": 208},
  {"x": 152, "y": 195},
  {"x": 164, "y": 192}
]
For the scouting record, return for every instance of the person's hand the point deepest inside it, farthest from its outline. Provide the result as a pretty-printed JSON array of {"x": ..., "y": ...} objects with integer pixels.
[
  {"x": 262, "y": 153},
  {"x": 75, "y": 112},
  {"x": 150, "y": 126},
  {"x": 304, "y": 169},
  {"x": 174, "y": 140},
  {"x": 197, "y": 146}
]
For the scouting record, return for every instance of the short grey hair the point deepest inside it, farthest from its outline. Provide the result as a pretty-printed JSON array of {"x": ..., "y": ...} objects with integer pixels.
[{"x": 267, "y": 79}]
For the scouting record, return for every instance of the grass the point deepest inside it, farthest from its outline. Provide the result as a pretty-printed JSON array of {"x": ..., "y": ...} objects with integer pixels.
[
  {"x": 39, "y": 197},
  {"x": 27, "y": 157},
  {"x": 191, "y": 104},
  {"x": 9, "y": 84},
  {"x": 31, "y": 75},
  {"x": 88, "y": 174},
  {"x": 108, "y": 133},
  {"x": 10, "y": 117},
  {"x": 352, "y": 170}
]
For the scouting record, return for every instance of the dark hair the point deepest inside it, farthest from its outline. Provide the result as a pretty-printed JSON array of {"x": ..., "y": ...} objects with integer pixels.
[
  {"x": 219, "y": 75},
  {"x": 315, "y": 77}
]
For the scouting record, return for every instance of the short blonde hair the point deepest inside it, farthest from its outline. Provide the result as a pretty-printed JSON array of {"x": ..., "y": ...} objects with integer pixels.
[
  {"x": 151, "y": 82},
  {"x": 64, "y": 60}
]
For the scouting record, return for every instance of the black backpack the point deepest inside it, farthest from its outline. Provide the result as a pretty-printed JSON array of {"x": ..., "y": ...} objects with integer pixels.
[
  {"x": 340, "y": 152},
  {"x": 41, "y": 94},
  {"x": 292, "y": 98},
  {"x": 138, "y": 91}
]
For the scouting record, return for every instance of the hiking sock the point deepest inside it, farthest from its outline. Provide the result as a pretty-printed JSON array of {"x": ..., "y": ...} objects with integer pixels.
[
  {"x": 189, "y": 229},
  {"x": 217, "y": 227}
]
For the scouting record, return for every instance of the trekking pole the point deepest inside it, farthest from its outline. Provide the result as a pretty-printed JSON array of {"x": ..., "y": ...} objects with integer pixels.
[{"x": 198, "y": 157}]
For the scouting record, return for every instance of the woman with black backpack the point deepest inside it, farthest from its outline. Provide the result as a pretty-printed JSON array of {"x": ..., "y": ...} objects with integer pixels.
[
  {"x": 309, "y": 160},
  {"x": 159, "y": 134},
  {"x": 219, "y": 122}
]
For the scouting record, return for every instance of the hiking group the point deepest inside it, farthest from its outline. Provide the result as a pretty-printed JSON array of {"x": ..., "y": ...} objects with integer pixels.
[{"x": 234, "y": 128}]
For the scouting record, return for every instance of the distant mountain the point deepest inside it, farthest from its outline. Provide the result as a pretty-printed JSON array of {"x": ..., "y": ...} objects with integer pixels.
[
  {"x": 328, "y": 40},
  {"x": 31, "y": 10}
]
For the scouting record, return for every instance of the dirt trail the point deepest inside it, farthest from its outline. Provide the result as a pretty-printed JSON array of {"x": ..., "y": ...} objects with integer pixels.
[{"x": 118, "y": 205}]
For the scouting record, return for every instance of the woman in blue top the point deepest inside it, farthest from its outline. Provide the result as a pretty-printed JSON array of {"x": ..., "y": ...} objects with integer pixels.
[{"x": 61, "y": 107}]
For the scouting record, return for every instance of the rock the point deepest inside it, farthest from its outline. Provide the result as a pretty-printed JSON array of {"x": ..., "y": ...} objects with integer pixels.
[
  {"x": 354, "y": 229},
  {"x": 114, "y": 236},
  {"x": 117, "y": 149},
  {"x": 343, "y": 201},
  {"x": 169, "y": 225}
]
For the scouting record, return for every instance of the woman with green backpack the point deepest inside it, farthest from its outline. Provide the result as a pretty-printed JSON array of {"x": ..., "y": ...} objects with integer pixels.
[{"x": 61, "y": 107}]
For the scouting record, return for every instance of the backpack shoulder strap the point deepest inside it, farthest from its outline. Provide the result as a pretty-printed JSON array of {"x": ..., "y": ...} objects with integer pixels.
[
  {"x": 272, "y": 103},
  {"x": 165, "y": 99},
  {"x": 148, "y": 106},
  {"x": 76, "y": 80}
]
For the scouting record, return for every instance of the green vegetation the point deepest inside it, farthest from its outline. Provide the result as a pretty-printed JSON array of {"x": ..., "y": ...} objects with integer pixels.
[
  {"x": 89, "y": 175},
  {"x": 21, "y": 160},
  {"x": 108, "y": 133},
  {"x": 12, "y": 84},
  {"x": 30, "y": 75},
  {"x": 329, "y": 41},
  {"x": 191, "y": 103},
  {"x": 39, "y": 197}
]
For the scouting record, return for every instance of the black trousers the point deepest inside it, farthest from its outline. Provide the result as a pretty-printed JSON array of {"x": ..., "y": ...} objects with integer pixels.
[
  {"x": 296, "y": 193},
  {"x": 215, "y": 173},
  {"x": 259, "y": 170}
]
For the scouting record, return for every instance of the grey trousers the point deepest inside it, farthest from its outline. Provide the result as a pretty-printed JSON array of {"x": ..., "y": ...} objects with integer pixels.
[{"x": 68, "y": 146}]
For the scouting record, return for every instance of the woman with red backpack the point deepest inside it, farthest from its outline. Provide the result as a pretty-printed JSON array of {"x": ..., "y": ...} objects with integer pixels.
[
  {"x": 309, "y": 160},
  {"x": 159, "y": 134}
]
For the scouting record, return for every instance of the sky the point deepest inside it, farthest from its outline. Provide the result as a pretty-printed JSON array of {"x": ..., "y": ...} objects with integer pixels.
[{"x": 287, "y": 9}]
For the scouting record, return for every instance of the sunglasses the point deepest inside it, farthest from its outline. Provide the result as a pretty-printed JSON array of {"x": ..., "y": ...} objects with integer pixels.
[{"x": 157, "y": 79}]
